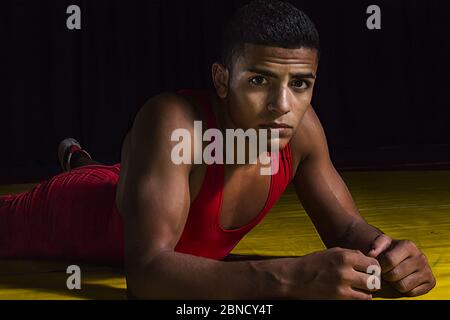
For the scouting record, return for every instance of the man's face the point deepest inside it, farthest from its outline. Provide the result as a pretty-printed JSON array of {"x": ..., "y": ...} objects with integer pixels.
[{"x": 270, "y": 86}]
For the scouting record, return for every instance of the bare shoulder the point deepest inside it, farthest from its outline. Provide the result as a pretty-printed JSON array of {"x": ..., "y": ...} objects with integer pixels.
[
  {"x": 309, "y": 140},
  {"x": 146, "y": 147},
  {"x": 157, "y": 118},
  {"x": 168, "y": 107}
]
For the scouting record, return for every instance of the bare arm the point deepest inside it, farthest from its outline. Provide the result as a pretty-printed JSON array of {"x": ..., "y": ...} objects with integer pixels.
[
  {"x": 155, "y": 205},
  {"x": 324, "y": 194},
  {"x": 329, "y": 204},
  {"x": 245, "y": 257}
]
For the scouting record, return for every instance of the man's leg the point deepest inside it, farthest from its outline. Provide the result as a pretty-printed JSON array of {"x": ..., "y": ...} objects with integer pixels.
[{"x": 70, "y": 216}]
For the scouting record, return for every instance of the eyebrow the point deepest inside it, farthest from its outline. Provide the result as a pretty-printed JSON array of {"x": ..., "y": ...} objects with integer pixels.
[{"x": 274, "y": 75}]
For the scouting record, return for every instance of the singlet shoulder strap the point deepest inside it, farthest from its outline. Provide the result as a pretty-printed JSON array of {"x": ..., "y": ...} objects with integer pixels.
[{"x": 287, "y": 156}]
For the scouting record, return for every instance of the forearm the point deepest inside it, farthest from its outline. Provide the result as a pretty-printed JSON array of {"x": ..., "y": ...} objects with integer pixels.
[
  {"x": 247, "y": 257},
  {"x": 360, "y": 236},
  {"x": 175, "y": 275}
]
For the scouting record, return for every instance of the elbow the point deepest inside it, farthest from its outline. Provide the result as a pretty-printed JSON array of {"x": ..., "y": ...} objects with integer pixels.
[
  {"x": 136, "y": 289},
  {"x": 144, "y": 280}
]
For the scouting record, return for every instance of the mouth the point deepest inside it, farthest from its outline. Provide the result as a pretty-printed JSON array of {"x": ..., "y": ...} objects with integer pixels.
[
  {"x": 275, "y": 125},
  {"x": 284, "y": 130}
]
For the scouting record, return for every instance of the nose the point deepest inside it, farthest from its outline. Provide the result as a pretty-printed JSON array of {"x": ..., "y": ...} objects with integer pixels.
[{"x": 279, "y": 103}]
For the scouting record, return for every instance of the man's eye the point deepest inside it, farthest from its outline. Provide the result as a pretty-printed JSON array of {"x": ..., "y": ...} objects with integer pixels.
[
  {"x": 300, "y": 84},
  {"x": 258, "y": 80}
]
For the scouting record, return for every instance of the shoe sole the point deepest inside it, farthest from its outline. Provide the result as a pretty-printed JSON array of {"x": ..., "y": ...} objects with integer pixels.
[{"x": 62, "y": 149}]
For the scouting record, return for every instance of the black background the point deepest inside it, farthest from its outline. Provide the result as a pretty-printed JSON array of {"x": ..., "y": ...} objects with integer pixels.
[{"x": 382, "y": 95}]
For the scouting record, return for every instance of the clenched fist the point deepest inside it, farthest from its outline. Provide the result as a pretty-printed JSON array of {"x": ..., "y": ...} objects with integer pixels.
[
  {"x": 332, "y": 274},
  {"x": 403, "y": 265}
]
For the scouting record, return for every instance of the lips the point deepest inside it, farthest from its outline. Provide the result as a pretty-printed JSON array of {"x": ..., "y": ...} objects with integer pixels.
[
  {"x": 276, "y": 125},
  {"x": 283, "y": 129}
]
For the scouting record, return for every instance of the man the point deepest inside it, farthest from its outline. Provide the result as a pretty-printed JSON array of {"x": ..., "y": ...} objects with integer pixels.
[
  {"x": 181, "y": 220},
  {"x": 269, "y": 64}
]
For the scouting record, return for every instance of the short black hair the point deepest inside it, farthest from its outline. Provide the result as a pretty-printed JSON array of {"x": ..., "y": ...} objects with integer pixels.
[{"x": 269, "y": 23}]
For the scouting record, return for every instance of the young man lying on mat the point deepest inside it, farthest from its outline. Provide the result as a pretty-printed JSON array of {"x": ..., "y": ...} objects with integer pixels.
[{"x": 174, "y": 223}]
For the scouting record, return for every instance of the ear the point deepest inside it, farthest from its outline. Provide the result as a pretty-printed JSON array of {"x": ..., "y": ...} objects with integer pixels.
[{"x": 220, "y": 77}]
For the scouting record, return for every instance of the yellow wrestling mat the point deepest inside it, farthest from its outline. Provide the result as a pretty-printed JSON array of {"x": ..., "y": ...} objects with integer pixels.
[{"x": 411, "y": 205}]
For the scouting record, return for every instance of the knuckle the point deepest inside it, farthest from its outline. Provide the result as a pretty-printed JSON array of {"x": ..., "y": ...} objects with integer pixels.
[
  {"x": 391, "y": 275},
  {"x": 389, "y": 258},
  {"x": 335, "y": 250},
  {"x": 339, "y": 258},
  {"x": 340, "y": 292},
  {"x": 402, "y": 286},
  {"x": 412, "y": 293},
  {"x": 423, "y": 258},
  {"x": 409, "y": 244},
  {"x": 432, "y": 281},
  {"x": 341, "y": 274},
  {"x": 426, "y": 289},
  {"x": 375, "y": 262},
  {"x": 345, "y": 258}
]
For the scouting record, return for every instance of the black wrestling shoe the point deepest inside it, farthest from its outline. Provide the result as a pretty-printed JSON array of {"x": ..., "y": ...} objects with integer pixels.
[{"x": 66, "y": 149}]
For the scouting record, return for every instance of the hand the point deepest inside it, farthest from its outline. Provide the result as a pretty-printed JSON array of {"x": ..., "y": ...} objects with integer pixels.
[
  {"x": 403, "y": 265},
  {"x": 333, "y": 274}
]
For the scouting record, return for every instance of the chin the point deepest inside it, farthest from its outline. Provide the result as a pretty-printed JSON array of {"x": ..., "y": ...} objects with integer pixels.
[{"x": 282, "y": 143}]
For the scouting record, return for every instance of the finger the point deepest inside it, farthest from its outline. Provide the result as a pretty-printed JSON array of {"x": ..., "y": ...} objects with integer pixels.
[
  {"x": 362, "y": 263},
  {"x": 364, "y": 281},
  {"x": 398, "y": 252},
  {"x": 421, "y": 289},
  {"x": 381, "y": 243},
  {"x": 402, "y": 270},
  {"x": 410, "y": 282},
  {"x": 355, "y": 294}
]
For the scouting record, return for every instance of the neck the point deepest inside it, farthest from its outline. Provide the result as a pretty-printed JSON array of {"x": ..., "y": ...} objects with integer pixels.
[{"x": 219, "y": 109}]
